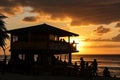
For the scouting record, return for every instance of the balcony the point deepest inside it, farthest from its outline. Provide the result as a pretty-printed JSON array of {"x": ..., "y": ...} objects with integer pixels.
[
  {"x": 62, "y": 46},
  {"x": 53, "y": 46}
]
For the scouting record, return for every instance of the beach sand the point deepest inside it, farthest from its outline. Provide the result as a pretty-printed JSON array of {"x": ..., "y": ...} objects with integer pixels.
[{"x": 12, "y": 76}]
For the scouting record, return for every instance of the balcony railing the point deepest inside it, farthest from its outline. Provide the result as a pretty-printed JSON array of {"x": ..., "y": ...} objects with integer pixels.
[
  {"x": 42, "y": 45},
  {"x": 63, "y": 46}
]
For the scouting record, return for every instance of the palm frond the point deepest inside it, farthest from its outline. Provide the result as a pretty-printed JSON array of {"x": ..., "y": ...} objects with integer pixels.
[{"x": 3, "y": 33}]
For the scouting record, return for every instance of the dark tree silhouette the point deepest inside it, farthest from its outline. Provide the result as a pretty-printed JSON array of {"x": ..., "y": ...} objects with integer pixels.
[{"x": 3, "y": 33}]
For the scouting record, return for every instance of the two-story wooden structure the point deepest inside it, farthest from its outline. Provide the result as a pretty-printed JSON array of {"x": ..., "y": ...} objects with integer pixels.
[{"x": 42, "y": 40}]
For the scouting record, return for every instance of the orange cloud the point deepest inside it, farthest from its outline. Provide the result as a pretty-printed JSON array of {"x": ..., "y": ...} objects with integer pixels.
[
  {"x": 8, "y": 11},
  {"x": 117, "y": 25},
  {"x": 80, "y": 11},
  {"x": 116, "y": 38}
]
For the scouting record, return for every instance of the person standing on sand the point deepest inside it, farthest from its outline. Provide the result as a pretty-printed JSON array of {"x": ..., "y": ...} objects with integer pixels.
[
  {"x": 76, "y": 68},
  {"x": 94, "y": 67},
  {"x": 82, "y": 67},
  {"x": 82, "y": 64}
]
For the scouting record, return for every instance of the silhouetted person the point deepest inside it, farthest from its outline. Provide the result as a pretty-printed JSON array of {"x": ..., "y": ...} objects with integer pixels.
[
  {"x": 86, "y": 65},
  {"x": 82, "y": 63},
  {"x": 64, "y": 40},
  {"x": 73, "y": 42},
  {"x": 106, "y": 72},
  {"x": 60, "y": 40},
  {"x": 94, "y": 67},
  {"x": 90, "y": 75},
  {"x": 114, "y": 76},
  {"x": 53, "y": 60},
  {"x": 88, "y": 71},
  {"x": 76, "y": 68},
  {"x": 82, "y": 67}
]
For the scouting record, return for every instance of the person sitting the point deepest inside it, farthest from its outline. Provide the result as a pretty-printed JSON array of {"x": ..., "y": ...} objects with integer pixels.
[{"x": 106, "y": 72}]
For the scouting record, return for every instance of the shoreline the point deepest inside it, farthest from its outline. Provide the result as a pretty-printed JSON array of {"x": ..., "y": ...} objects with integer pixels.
[
  {"x": 100, "y": 72},
  {"x": 14, "y": 76}
]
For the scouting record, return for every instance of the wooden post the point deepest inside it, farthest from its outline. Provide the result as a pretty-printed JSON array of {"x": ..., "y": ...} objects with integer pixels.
[
  {"x": 29, "y": 36},
  {"x": 69, "y": 54},
  {"x": 68, "y": 39},
  {"x": 11, "y": 42},
  {"x": 70, "y": 58}
]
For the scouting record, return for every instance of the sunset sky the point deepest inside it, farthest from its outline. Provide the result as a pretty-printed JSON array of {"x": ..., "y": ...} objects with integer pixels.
[{"x": 96, "y": 21}]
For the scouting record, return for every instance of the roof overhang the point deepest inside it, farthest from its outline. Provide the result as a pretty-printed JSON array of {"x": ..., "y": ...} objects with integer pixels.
[{"x": 43, "y": 28}]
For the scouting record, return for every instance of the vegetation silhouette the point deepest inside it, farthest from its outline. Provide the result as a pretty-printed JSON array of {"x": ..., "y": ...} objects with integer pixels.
[
  {"x": 3, "y": 37},
  {"x": 3, "y": 33}
]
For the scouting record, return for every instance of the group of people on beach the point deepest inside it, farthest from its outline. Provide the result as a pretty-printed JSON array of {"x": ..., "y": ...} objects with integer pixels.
[
  {"x": 85, "y": 69},
  {"x": 90, "y": 70}
]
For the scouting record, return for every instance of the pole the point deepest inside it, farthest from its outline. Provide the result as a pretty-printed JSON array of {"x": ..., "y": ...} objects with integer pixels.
[{"x": 69, "y": 54}]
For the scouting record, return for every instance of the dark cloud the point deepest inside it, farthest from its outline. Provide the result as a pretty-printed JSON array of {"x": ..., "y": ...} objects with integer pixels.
[
  {"x": 31, "y": 19},
  {"x": 117, "y": 25},
  {"x": 10, "y": 7},
  {"x": 81, "y": 11},
  {"x": 116, "y": 38},
  {"x": 11, "y": 10},
  {"x": 101, "y": 30}
]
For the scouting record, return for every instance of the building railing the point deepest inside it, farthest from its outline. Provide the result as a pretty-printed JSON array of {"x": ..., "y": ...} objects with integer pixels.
[
  {"x": 64, "y": 46},
  {"x": 52, "y": 45}
]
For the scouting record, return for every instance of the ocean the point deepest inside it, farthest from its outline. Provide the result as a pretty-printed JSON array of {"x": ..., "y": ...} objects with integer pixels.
[{"x": 110, "y": 61}]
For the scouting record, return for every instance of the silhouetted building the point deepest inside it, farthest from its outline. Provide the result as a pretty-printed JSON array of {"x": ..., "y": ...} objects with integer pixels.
[{"x": 42, "y": 40}]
